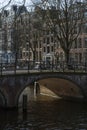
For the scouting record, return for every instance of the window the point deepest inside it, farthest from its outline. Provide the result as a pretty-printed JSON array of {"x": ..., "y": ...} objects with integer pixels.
[
  {"x": 44, "y": 49},
  {"x": 48, "y": 58},
  {"x": 48, "y": 49},
  {"x": 27, "y": 53},
  {"x": 51, "y": 39},
  {"x": 52, "y": 48},
  {"x": 76, "y": 56},
  {"x": 85, "y": 42},
  {"x": 24, "y": 54},
  {"x": 0, "y": 36},
  {"x": 79, "y": 28},
  {"x": 79, "y": 43},
  {"x": 40, "y": 44},
  {"x": 27, "y": 47},
  {"x": 48, "y": 40},
  {"x": 40, "y": 55},
  {"x": 85, "y": 14},
  {"x": 85, "y": 55},
  {"x": 85, "y": 28},
  {"x": 80, "y": 57},
  {"x": 44, "y": 40},
  {"x": 47, "y": 32}
]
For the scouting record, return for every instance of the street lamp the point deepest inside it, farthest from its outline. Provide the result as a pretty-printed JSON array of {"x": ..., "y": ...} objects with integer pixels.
[{"x": 57, "y": 57}]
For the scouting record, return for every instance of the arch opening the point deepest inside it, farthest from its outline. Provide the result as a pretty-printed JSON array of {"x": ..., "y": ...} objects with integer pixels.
[
  {"x": 56, "y": 88},
  {"x": 59, "y": 87}
]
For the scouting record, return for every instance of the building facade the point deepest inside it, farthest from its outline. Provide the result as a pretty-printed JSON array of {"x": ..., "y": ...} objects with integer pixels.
[{"x": 23, "y": 33}]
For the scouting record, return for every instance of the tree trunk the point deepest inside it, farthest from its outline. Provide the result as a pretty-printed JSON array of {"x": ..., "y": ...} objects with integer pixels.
[
  {"x": 34, "y": 56},
  {"x": 67, "y": 57}
]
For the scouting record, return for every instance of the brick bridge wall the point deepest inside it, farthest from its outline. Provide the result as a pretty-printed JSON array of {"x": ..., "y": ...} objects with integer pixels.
[{"x": 11, "y": 86}]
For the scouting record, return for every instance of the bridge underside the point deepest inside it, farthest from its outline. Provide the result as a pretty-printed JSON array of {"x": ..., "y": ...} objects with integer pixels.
[
  {"x": 52, "y": 87},
  {"x": 60, "y": 87},
  {"x": 55, "y": 88}
]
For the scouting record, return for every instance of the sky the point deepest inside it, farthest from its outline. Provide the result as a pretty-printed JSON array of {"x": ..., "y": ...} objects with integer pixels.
[
  {"x": 3, "y": 2},
  {"x": 18, "y": 2},
  {"x": 28, "y": 3}
]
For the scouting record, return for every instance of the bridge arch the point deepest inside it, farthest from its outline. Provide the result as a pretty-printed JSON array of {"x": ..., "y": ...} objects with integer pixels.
[
  {"x": 65, "y": 86},
  {"x": 62, "y": 86}
]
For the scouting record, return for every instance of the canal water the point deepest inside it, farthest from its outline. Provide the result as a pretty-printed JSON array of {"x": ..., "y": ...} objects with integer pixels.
[{"x": 46, "y": 115}]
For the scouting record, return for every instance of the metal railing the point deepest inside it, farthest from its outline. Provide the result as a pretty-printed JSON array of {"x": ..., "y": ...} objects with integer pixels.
[{"x": 43, "y": 66}]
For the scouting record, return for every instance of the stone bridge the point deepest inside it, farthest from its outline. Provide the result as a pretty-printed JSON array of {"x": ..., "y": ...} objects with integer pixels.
[{"x": 69, "y": 85}]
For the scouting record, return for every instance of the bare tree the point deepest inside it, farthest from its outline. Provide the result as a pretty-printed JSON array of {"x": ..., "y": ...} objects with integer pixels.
[
  {"x": 16, "y": 30},
  {"x": 64, "y": 18},
  {"x": 6, "y": 5},
  {"x": 35, "y": 27},
  {"x": 30, "y": 33}
]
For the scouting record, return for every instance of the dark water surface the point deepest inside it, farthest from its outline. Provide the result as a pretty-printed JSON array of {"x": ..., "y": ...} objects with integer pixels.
[{"x": 46, "y": 115}]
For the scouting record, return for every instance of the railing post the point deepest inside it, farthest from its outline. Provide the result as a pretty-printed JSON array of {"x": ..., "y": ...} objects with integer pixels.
[
  {"x": 74, "y": 68},
  {"x": 63, "y": 66},
  {"x": 35, "y": 87},
  {"x": 52, "y": 65},
  {"x": 28, "y": 66},
  {"x": 85, "y": 67},
  {"x": 40, "y": 66}
]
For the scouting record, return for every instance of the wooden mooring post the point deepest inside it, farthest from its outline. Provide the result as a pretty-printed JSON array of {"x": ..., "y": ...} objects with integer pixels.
[{"x": 24, "y": 105}]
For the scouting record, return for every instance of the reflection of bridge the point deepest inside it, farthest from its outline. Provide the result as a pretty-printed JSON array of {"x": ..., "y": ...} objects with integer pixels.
[{"x": 66, "y": 84}]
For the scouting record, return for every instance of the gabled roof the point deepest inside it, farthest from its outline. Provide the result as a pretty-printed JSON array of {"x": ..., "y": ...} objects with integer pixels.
[{"x": 21, "y": 9}]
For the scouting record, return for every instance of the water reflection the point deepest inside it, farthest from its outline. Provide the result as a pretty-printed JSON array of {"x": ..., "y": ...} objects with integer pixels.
[{"x": 46, "y": 115}]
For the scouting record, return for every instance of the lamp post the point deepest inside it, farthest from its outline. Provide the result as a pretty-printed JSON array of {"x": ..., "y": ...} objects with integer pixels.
[
  {"x": 28, "y": 59},
  {"x": 57, "y": 58}
]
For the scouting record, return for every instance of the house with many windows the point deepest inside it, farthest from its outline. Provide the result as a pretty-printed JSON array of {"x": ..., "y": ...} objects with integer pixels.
[{"x": 25, "y": 35}]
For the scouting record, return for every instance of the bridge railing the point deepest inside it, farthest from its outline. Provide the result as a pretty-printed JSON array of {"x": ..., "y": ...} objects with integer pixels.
[{"x": 43, "y": 66}]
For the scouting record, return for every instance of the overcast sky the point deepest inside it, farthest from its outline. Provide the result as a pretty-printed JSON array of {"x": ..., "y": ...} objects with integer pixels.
[
  {"x": 2, "y": 2},
  {"x": 18, "y": 2}
]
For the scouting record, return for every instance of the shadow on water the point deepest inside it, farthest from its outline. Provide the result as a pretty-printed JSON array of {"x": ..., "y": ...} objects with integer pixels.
[{"x": 46, "y": 115}]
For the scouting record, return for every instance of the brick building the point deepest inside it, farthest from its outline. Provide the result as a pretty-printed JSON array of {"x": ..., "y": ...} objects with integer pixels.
[{"x": 35, "y": 41}]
